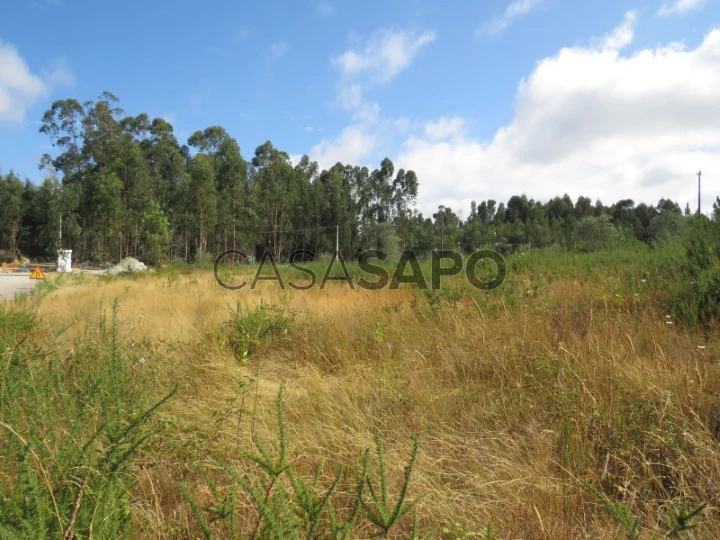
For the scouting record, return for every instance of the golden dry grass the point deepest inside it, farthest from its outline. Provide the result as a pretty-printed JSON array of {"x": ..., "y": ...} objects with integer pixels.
[{"x": 514, "y": 402}]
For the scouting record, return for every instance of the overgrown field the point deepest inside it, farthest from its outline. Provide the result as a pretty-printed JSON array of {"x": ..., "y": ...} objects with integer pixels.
[{"x": 569, "y": 403}]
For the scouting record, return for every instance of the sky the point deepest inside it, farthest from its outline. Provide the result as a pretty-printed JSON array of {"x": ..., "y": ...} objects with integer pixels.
[{"x": 487, "y": 99}]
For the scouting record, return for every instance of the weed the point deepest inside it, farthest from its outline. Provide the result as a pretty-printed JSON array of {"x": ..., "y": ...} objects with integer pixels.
[
  {"x": 74, "y": 429},
  {"x": 677, "y": 523},
  {"x": 288, "y": 505},
  {"x": 248, "y": 328}
]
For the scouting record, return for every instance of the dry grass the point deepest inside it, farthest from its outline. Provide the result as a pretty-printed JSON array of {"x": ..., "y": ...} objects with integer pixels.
[{"x": 514, "y": 401}]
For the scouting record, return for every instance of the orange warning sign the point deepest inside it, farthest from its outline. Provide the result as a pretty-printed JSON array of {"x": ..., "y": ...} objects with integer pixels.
[{"x": 37, "y": 274}]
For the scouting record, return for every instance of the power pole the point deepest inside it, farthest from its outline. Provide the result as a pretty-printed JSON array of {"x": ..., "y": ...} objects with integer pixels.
[
  {"x": 699, "y": 175},
  {"x": 337, "y": 240}
]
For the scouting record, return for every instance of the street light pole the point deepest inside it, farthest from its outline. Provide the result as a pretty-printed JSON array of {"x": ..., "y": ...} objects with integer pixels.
[{"x": 699, "y": 174}]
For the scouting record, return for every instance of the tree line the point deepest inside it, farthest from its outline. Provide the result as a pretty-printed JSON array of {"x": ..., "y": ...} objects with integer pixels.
[{"x": 121, "y": 186}]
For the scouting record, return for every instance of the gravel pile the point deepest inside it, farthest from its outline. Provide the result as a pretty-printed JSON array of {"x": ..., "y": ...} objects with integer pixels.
[{"x": 126, "y": 266}]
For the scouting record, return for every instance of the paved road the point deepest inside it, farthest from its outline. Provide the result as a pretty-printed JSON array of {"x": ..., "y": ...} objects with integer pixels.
[{"x": 17, "y": 282}]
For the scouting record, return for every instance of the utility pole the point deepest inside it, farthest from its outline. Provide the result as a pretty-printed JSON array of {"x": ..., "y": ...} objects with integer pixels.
[
  {"x": 337, "y": 240},
  {"x": 699, "y": 175}
]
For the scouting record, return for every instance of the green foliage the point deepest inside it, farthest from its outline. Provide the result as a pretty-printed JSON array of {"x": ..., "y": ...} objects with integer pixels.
[
  {"x": 377, "y": 506},
  {"x": 11, "y": 202},
  {"x": 156, "y": 233},
  {"x": 681, "y": 521},
  {"x": 388, "y": 241},
  {"x": 109, "y": 166},
  {"x": 678, "y": 522},
  {"x": 15, "y": 321},
  {"x": 73, "y": 427},
  {"x": 618, "y": 511},
  {"x": 666, "y": 228},
  {"x": 290, "y": 505},
  {"x": 248, "y": 328},
  {"x": 696, "y": 300},
  {"x": 595, "y": 233}
]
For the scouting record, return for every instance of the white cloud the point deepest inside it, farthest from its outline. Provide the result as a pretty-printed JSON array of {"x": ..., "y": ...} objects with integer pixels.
[
  {"x": 277, "y": 50},
  {"x": 680, "y": 7},
  {"x": 623, "y": 35},
  {"x": 402, "y": 125},
  {"x": 241, "y": 34},
  {"x": 588, "y": 121},
  {"x": 351, "y": 97},
  {"x": 445, "y": 128},
  {"x": 375, "y": 61},
  {"x": 59, "y": 74},
  {"x": 353, "y": 145},
  {"x": 516, "y": 9},
  {"x": 20, "y": 89},
  {"x": 325, "y": 9},
  {"x": 383, "y": 55}
]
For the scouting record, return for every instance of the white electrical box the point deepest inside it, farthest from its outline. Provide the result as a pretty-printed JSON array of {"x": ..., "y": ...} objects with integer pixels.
[{"x": 64, "y": 263}]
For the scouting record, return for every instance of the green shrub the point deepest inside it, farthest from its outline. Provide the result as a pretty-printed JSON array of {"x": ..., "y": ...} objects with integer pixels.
[
  {"x": 595, "y": 233},
  {"x": 697, "y": 300},
  {"x": 248, "y": 328},
  {"x": 70, "y": 429}
]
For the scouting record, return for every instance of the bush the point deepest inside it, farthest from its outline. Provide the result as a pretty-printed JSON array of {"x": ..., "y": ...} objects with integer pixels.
[
  {"x": 698, "y": 299},
  {"x": 595, "y": 234},
  {"x": 248, "y": 328},
  {"x": 665, "y": 228},
  {"x": 70, "y": 430}
]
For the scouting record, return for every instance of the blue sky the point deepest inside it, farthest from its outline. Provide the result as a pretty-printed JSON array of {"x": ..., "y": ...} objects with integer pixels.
[{"x": 483, "y": 99}]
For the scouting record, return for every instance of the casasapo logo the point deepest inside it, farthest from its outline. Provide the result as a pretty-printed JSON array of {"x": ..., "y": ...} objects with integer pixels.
[{"x": 483, "y": 269}]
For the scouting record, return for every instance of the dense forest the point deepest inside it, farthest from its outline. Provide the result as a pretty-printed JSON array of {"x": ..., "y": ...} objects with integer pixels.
[{"x": 122, "y": 186}]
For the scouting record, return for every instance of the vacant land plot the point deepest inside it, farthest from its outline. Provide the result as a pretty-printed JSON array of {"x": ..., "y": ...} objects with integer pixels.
[{"x": 564, "y": 405}]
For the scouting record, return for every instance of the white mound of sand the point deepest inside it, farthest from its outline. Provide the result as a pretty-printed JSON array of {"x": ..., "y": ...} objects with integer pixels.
[{"x": 126, "y": 266}]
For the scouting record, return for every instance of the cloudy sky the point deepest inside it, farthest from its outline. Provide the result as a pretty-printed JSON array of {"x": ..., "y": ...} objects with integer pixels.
[{"x": 609, "y": 99}]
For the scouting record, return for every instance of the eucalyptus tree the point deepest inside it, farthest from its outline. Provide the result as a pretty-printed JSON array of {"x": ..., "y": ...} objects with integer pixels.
[
  {"x": 11, "y": 217},
  {"x": 478, "y": 230},
  {"x": 202, "y": 200},
  {"x": 306, "y": 206},
  {"x": 231, "y": 179},
  {"x": 447, "y": 228},
  {"x": 156, "y": 233},
  {"x": 272, "y": 183},
  {"x": 43, "y": 214},
  {"x": 338, "y": 209},
  {"x": 103, "y": 212},
  {"x": 63, "y": 123}
]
